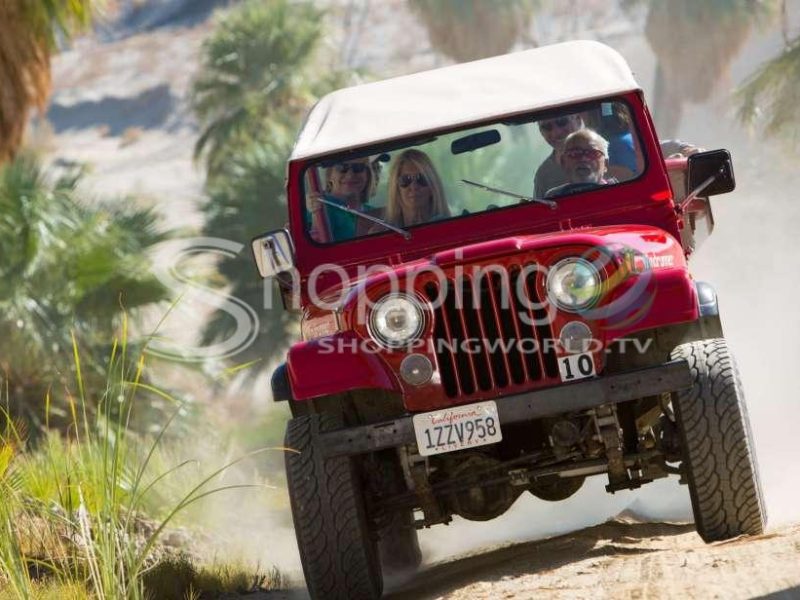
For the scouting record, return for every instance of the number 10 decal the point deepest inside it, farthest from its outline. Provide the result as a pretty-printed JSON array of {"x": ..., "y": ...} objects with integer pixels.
[{"x": 576, "y": 366}]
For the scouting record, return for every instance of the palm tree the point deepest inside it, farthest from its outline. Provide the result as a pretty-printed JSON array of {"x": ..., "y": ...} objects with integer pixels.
[
  {"x": 67, "y": 268},
  {"x": 255, "y": 66},
  {"x": 28, "y": 34},
  {"x": 769, "y": 95},
  {"x": 259, "y": 76},
  {"x": 244, "y": 200},
  {"x": 695, "y": 43},
  {"x": 465, "y": 30}
]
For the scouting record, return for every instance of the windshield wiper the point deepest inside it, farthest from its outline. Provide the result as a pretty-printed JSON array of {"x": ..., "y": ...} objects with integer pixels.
[
  {"x": 549, "y": 203},
  {"x": 358, "y": 213}
]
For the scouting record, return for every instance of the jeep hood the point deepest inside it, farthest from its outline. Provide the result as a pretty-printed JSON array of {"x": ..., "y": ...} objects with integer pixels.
[{"x": 658, "y": 246}]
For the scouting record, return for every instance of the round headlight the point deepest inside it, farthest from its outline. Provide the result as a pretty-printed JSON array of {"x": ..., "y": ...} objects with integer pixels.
[
  {"x": 573, "y": 284},
  {"x": 396, "y": 320}
]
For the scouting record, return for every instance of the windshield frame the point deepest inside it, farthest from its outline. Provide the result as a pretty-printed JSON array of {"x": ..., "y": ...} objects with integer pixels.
[
  {"x": 528, "y": 117},
  {"x": 633, "y": 196}
]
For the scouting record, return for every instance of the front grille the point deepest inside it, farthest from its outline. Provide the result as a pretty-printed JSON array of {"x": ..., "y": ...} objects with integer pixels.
[{"x": 486, "y": 335}]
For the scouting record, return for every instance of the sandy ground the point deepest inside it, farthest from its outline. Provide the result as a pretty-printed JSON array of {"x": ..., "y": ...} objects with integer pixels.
[{"x": 621, "y": 559}]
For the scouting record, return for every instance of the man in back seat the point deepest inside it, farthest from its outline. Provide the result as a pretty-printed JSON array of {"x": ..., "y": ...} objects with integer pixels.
[{"x": 554, "y": 131}]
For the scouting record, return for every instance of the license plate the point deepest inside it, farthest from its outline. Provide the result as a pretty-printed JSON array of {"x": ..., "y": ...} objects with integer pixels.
[
  {"x": 576, "y": 366},
  {"x": 457, "y": 428}
]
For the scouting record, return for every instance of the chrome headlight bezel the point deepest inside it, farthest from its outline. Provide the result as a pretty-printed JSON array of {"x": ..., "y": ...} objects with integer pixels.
[
  {"x": 377, "y": 329},
  {"x": 556, "y": 270}
]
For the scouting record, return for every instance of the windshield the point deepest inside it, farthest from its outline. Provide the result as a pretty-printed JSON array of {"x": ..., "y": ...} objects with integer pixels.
[{"x": 538, "y": 159}]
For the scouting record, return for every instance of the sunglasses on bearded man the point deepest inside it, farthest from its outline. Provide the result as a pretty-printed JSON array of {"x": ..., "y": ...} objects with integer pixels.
[{"x": 578, "y": 153}]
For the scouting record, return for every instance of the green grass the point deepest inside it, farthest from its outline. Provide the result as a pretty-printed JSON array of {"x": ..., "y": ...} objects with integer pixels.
[{"x": 84, "y": 513}]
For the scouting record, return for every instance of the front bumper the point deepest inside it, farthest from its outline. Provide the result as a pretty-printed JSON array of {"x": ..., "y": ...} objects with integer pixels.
[{"x": 583, "y": 395}]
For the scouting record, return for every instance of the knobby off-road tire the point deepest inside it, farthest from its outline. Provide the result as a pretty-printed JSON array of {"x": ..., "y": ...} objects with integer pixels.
[
  {"x": 719, "y": 457},
  {"x": 338, "y": 554}
]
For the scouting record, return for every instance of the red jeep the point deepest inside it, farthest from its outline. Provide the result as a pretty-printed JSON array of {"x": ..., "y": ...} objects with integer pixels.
[{"x": 467, "y": 339}]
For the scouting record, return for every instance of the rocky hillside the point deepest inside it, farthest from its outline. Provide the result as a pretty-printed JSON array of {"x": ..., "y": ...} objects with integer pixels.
[{"x": 121, "y": 105}]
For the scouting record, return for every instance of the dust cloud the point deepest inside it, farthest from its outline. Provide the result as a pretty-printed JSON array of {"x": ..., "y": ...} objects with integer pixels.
[{"x": 244, "y": 520}]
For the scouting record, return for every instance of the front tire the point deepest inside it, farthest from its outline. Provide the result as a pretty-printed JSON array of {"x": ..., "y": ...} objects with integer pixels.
[
  {"x": 718, "y": 454},
  {"x": 338, "y": 553}
]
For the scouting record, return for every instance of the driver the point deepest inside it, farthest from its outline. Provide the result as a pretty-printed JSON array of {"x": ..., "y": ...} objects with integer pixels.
[{"x": 584, "y": 160}]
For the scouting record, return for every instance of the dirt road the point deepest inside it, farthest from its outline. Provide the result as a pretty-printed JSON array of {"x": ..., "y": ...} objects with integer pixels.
[{"x": 620, "y": 560}]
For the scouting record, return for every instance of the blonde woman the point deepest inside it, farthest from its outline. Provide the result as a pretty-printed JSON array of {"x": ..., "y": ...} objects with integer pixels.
[
  {"x": 416, "y": 194},
  {"x": 350, "y": 184},
  {"x": 353, "y": 181}
]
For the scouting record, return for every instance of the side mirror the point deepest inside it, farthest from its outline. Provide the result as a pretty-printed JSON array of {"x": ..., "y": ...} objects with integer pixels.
[
  {"x": 711, "y": 173},
  {"x": 274, "y": 253}
]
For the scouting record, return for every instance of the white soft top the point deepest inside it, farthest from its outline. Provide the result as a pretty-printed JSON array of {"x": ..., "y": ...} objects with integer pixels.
[{"x": 462, "y": 94}]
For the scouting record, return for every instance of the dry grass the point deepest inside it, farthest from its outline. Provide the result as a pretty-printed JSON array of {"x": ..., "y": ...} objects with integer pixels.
[{"x": 87, "y": 512}]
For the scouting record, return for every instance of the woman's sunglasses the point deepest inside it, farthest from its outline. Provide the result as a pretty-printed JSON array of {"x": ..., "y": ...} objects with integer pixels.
[
  {"x": 560, "y": 122},
  {"x": 578, "y": 153},
  {"x": 407, "y": 180},
  {"x": 356, "y": 168}
]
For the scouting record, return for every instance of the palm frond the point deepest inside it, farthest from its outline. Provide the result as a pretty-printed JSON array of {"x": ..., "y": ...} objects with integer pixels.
[
  {"x": 710, "y": 34},
  {"x": 695, "y": 43},
  {"x": 54, "y": 18},
  {"x": 769, "y": 97},
  {"x": 28, "y": 34},
  {"x": 259, "y": 76},
  {"x": 65, "y": 264},
  {"x": 250, "y": 69},
  {"x": 466, "y": 30}
]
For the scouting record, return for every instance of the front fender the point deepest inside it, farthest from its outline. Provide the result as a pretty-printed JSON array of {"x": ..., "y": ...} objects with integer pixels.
[
  {"x": 336, "y": 364},
  {"x": 669, "y": 297}
]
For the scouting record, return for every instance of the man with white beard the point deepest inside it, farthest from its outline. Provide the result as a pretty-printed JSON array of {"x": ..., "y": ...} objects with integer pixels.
[{"x": 584, "y": 161}]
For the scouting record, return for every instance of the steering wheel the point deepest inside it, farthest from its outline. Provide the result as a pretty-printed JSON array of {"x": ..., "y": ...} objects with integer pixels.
[{"x": 572, "y": 188}]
